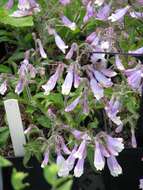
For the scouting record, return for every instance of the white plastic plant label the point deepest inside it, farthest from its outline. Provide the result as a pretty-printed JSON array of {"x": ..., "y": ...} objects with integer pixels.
[{"x": 15, "y": 126}]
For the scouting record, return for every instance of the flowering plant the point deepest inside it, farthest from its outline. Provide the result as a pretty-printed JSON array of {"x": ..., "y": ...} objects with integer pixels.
[{"x": 77, "y": 74}]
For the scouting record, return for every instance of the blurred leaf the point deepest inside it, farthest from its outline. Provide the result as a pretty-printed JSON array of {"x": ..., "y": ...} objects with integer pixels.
[
  {"x": 44, "y": 121},
  {"x": 4, "y": 69},
  {"x": 50, "y": 174},
  {"x": 5, "y": 18},
  {"x": 66, "y": 186},
  {"x": 4, "y": 134},
  {"x": 17, "y": 180},
  {"x": 4, "y": 162}
]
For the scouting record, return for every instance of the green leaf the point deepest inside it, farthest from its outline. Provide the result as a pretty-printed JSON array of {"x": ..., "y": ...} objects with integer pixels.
[
  {"x": 66, "y": 186},
  {"x": 4, "y": 69},
  {"x": 44, "y": 121},
  {"x": 17, "y": 180},
  {"x": 5, "y": 18},
  {"x": 4, "y": 162},
  {"x": 4, "y": 134},
  {"x": 50, "y": 174}
]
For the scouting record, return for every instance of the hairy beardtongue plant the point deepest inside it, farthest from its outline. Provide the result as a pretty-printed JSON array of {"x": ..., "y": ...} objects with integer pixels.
[{"x": 81, "y": 79}]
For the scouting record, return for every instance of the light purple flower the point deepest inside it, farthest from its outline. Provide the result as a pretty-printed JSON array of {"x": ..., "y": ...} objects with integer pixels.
[
  {"x": 141, "y": 184},
  {"x": 119, "y": 64},
  {"x": 62, "y": 166},
  {"x": 64, "y": 146},
  {"x": 133, "y": 138},
  {"x": 104, "y": 81},
  {"x": 76, "y": 77},
  {"x": 23, "y": 4},
  {"x": 77, "y": 134},
  {"x": 41, "y": 49},
  {"x": 21, "y": 13},
  {"x": 73, "y": 104},
  {"x": 134, "y": 77},
  {"x": 108, "y": 72},
  {"x": 67, "y": 85},
  {"x": 114, "y": 167},
  {"x": 81, "y": 150},
  {"x": 71, "y": 25},
  {"x": 73, "y": 49},
  {"x": 46, "y": 159},
  {"x": 71, "y": 159},
  {"x": 136, "y": 14},
  {"x": 3, "y": 87},
  {"x": 96, "y": 89},
  {"x": 114, "y": 145},
  {"x": 103, "y": 12},
  {"x": 112, "y": 109},
  {"x": 9, "y": 4},
  {"x": 99, "y": 2},
  {"x": 89, "y": 12},
  {"x": 99, "y": 160},
  {"x": 119, "y": 14},
  {"x": 91, "y": 37},
  {"x": 64, "y": 2},
  {"x": 85, "y": 103},
  {"x": 60, "y": 43},
  {"x": 138, "y": 51},
  {"x": 79, "y": 168},
  {"x": 20, "y": 86},
  {"x": 50, "y": 85}
]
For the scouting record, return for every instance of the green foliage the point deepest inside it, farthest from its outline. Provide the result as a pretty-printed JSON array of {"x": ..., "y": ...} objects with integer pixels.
[
  {"x": 4, "y": 162},
  {"x": 4, "y": 135},
  {"x": 50, "y": 174},
  {"x": 17, "y": 179},
  {"x": 6, "y": 18}
]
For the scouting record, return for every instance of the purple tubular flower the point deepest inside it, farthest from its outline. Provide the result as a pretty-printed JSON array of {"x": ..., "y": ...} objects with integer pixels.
[
  {"x": 77, "y": 134},
  {"x": 99, "y": 2},
  {"x": 138, "y": 51},
  {"x": 50, "y": 85},
  {"x": 23, "y": 5},
  {"x": 108, "y": 72},
  {"x": 99, "y": 160},
  {"x": 62, "y": 166},
  {"x": 85, "y": 103},
  {"x": 73, "y": 104},
  {"x": 67, "y": 85},
  {"x": 60, "y": 43},
  {"x": 96, "y": 89},
  {"x": 9, "y": 4},
  {"x": 91, "y": 37},
  {"x": 76, "y": 77},
  {"x": 141, "y": 184},
  {"x": 103, "y": 12},
  {"x": 73, "y": 49},
  {"x": 114, "y": 145},
  {"x": 64, "y": 2},
  {"x": 119, "y": 14},
  {"x": 79, "y": 168},
  {"x": 81, "y": 150},
  {"x": 134, "y": 77},
  {"x": 20, "y": 86},
  {"x": 119, "y": 64},
  {"x": 136, "y": 14},
  {"x": 105, "y": 82},
  {"x": 133, "y": 138},
  {"x": 112, "y": 108},
  {"x": 114, "y": 167},
  {"x": 64, "y": 147},
  {"x": 21, "y": 13},
  {"x": 3, "y": 87},
  {"x": 68, "y": 23},
  {"x": 89, "y": 12},
  {"x": 41, "y": 49},
  {"x": 46, "y": 159},
  {"x": 71, "y": 159}
]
